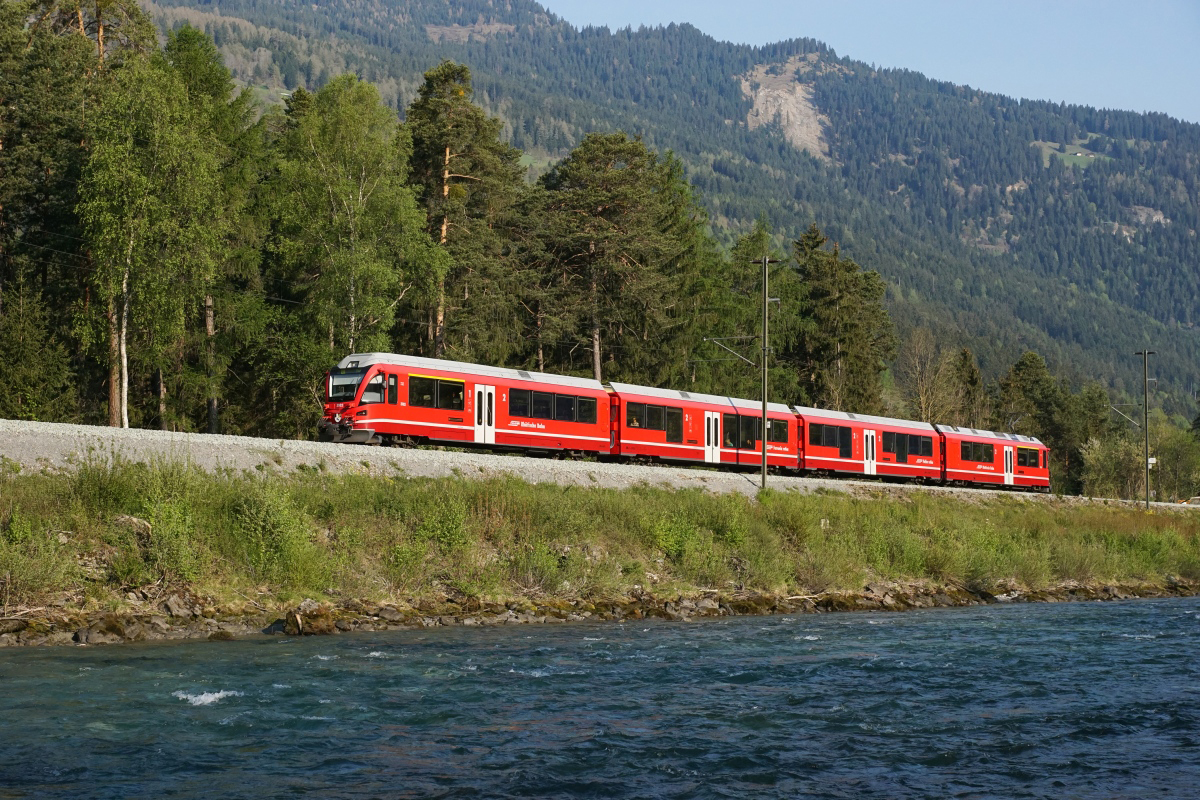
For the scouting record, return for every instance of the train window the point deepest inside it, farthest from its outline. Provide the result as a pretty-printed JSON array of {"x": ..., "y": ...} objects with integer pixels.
[
  {"x": 977, "y": 451},
  {"x": 343, "y": 384},
  {"x": 422, "y": 392},
  {"x": 830, "y": 435},
  {"x": 373, "y": 393},
  {"x": 749, "y": 437},
  {"x": 675, "y": 425},
  {"x": 814, "y": 434},
  {"x": 889, "y": 442},
  {"x": 654, "y": 418},
  {"x": 777, "y": 431},
  {"x": 635, "y": 415},
  {"x": 451, "y": 395},
  {"x": 917, "y": 445},
  {"x": 564, "y": 408},
  {"x": 393, "y": 392},
  {"x": 587, "y": 410},
  {"x": 729, "y": 429},
  {"x": 1045, "y": 459},
  {"x": 1027, "y": 457},
  {"x": 845, "y": 443},
  {"x": 518, "y": 403},
  {"x": 543, "y": 405}
]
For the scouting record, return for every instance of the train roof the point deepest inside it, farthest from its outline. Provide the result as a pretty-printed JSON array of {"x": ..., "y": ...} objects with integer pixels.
[
  {"x": 1012, "y": 437},
  {"x": 697, "y": 397},
  {"x": 826, "y": 413},
  {"x": 420, "y": 362}
]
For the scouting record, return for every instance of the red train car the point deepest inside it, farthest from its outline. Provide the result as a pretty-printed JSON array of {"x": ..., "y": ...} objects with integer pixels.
[
  {"x": 669, "y": 425},
  {"x": 862, "y": 444},
  {"x": 996, "y": 459},
  {"x": 376, "y": 398}
]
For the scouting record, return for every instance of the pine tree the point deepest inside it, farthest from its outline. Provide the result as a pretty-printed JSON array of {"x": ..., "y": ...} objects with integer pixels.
[
  {"x": 844, "y": 353},
  {"x": 469, "y": 180},
  {"x": 624, "y": 237}
]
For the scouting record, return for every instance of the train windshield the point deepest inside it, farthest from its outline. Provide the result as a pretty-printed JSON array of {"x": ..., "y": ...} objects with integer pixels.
[{"x": 343, "y": 384}]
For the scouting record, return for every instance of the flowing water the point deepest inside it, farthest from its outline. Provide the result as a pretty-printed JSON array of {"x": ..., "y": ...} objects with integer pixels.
[{"x": 1055, "y": 700}]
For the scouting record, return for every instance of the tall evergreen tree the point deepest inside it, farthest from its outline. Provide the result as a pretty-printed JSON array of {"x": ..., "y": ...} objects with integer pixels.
[
  {"x": 624, "y": 237},
  {"x": 469, "y": 180},
  {"x": 844, "y": 353}
]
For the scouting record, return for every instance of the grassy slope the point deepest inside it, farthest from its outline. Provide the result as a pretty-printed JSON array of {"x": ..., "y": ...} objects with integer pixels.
[{"x": 313, "y": 534}]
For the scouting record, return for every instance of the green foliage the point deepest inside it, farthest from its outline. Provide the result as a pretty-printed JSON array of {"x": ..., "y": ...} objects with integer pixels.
[
  {"x": 34, "y": 369},
  {"x": 844, "y": 351},
  {"x": 378, "y": 538},
  {"x": 273, "y": 536}
]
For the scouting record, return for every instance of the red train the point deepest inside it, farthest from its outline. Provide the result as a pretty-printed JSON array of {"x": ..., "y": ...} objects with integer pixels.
[{"x": 385, "y": 398}]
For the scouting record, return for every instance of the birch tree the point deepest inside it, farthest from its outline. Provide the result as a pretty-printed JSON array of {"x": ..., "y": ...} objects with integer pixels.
[
  {"x": 348, "y": 229},
  {"x": 146, "y": 200}
]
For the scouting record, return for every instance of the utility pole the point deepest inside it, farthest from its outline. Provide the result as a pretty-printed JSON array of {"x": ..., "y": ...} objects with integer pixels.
[
  {"x": 1145, "y": 354},
  {"x": 765, "y": 349}
]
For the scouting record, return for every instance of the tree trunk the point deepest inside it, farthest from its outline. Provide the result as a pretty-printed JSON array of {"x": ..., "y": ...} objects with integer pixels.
[
  {"x": 540, "y": 355},
  {"x": 439, "y": 321},
  {"x": 114, "y": 367},
  {"x": 596, "y": 347},
  {"x": 210, "y": 332},
  {"x": 162, "y": 401},
  {"x": 124, "y": 348}
]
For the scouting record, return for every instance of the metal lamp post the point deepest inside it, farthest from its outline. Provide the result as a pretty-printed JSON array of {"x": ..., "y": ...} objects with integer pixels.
[{"x": 1145, "y": 354}]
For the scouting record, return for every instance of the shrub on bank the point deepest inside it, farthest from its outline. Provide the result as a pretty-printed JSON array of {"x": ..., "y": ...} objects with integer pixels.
[{"x": 110, "y": 527}]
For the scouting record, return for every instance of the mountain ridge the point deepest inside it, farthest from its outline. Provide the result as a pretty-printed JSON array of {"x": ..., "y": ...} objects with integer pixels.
[{"x": 1002, "y": 224}]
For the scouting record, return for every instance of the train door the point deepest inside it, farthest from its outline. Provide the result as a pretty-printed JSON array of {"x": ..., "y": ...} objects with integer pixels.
[
  {"x": 485, "y": 414},
  {"x": 712, "y": 437},
  {"x": 868, "y": 452},
  {"x": 1008, "y": 466}
]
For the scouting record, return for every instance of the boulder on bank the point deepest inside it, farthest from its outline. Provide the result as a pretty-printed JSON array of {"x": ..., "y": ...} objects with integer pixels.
[{"x": 310, "y": 618}]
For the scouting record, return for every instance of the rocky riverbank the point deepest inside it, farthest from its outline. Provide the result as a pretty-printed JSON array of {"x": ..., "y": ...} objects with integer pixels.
[{"x": 186, "y": 616}]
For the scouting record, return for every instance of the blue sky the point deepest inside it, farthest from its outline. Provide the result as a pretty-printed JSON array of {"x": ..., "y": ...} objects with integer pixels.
[{"x": 1139, "y": 56}]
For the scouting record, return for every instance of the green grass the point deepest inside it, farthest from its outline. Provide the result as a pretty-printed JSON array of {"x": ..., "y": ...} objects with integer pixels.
[{"x": 282, "y": 537}]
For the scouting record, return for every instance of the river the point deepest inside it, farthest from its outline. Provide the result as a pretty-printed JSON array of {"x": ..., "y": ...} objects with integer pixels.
[{"x": 1050, "y": 700}]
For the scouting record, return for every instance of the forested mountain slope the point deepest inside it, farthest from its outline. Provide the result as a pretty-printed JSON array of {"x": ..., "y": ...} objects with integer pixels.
[{"x": 1001, "y": 224}]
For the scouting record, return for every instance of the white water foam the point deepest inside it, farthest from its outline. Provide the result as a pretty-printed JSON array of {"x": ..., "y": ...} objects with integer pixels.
[
  {"x": 327, "y": 658},
  {"x": 376, "y": 654},
  {"x": 206, "y": 698}
]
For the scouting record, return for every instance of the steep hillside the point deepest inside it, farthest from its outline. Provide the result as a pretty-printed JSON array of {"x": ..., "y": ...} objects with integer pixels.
[{"x": 1001, "y": 224}]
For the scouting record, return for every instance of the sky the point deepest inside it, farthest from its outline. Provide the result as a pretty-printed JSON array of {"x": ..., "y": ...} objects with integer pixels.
[{"x": 1136, "y": 56}]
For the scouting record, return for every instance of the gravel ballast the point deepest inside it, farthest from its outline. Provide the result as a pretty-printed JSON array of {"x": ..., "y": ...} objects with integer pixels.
[{"x": 58, "y": 447}]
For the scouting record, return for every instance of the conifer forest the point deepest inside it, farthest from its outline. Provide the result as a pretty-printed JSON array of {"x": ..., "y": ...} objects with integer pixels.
[{"x": 203, "y": 209}]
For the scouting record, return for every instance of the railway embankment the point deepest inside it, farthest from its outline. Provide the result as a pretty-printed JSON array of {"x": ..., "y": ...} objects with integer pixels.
[{"x": 117, "y": 541}]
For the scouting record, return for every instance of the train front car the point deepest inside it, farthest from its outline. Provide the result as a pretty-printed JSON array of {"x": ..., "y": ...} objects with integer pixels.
[
  {"x": 861, "y": 444},
  {"x": 390, "y": 398},
  {"x": 343, "y": 392},
  {"x": 686, "y": 427},
  {"x": 987, "y": 458}
]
